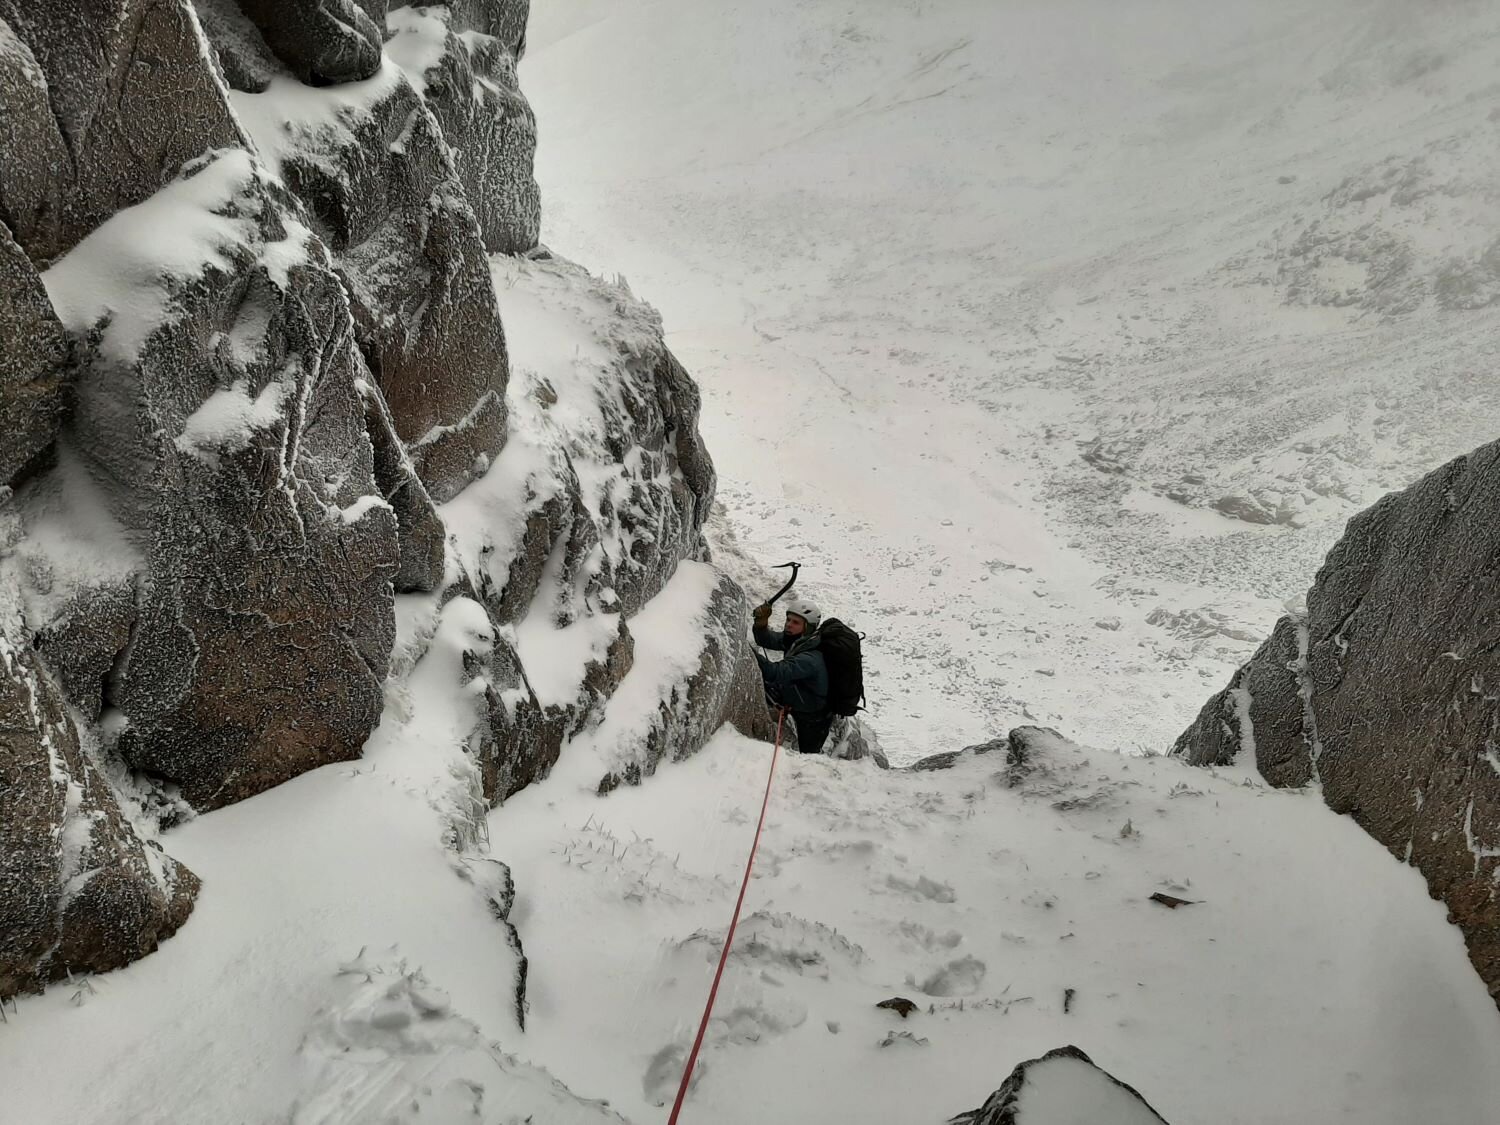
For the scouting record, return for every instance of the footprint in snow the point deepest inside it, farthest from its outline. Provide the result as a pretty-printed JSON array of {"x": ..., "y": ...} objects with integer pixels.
[
  {"x": 957, "y": 978},
  {"x": 922, "y": 887}
]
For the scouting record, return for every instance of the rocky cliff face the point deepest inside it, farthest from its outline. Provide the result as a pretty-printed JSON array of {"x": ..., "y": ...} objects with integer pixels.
[
  {"x": 1386, "y": 692},
  {"x": 255, "y": 390}
]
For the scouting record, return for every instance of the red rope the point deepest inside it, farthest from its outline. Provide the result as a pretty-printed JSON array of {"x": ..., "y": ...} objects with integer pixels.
[{"x": 713, "y": 992}]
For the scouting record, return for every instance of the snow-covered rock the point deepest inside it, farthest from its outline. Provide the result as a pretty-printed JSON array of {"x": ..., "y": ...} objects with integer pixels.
[
  {"x": 462, "y": 57},
  {"x": 369, "y": 162},
  {"x": 217, "y": 430},
  {"x": 1063, "y": 1087},
  {"x": 1385, "y": 693},
  {"x": 127, "y": 97},
  {"x": 80, "y": 891}
]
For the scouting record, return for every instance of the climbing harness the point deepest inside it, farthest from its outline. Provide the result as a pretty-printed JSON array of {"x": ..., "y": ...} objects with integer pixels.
[{"x": 713, "y": 992}]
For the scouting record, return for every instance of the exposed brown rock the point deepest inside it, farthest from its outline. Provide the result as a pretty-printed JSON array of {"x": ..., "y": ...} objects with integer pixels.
[
  {"x": 132, "y": 99},
  {"x": 472, "y": 89},
  {"x": 322, "y": 42},
  {"x": 1389, "y": 692},
  {"x": 33, "y": 354},
  {"x": 79, "y": 890},
  {"x": 219, "y": 408},
  {"x": 423, "y": 537},
  {"x": 381, "y": 191}
]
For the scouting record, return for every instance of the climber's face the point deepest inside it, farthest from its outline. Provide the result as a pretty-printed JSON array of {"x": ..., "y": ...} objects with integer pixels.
[{"x": 795, "y": 626}]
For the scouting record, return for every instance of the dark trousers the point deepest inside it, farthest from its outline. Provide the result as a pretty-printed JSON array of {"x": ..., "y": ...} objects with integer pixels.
[
  {"x": 812, "y": 731},
  {"x": 812, "y": 726}
]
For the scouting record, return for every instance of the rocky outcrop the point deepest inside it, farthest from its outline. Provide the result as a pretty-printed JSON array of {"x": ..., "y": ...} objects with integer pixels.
[
  {"x": 31, "y": 362},
  {"x": 216, "y": 405},
  {"x": 1060, "y": 1088},
  {"x": 422, "y": 535},
  {"x": 130, "y": 101},
  {"x": 462, "y": 57},
  {"x": 256, "y": 385},
  {"x": 852, "y": 739},
  {"x": 79, "y": 890},
  {"x": 322, "y": 42},
  {"x": 372, "y": 169},
  {"x": 723, "y": 686},
  {"x": 1387, "y": 692}
]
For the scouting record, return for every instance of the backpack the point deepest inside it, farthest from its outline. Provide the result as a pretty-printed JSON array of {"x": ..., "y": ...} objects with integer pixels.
[{"x": 839, "y": 645}]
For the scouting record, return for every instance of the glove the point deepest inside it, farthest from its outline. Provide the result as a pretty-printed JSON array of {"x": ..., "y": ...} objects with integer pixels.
[{"x": 762, "y": 616}]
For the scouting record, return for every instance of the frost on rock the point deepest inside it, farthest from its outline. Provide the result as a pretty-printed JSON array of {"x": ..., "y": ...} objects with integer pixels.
[
  {"x": 462, "y": 57},
  {"x": 369, "y": 163},
  {"x": 322, "y": 42},
  {"x": 216, "y": 407},
  {"x": 31, "y": 362},
  {"x": 80, "y": 891},
  {"x": 693, "y": 673},
  {"x": 577, "y": 531},
  {"x": 1063, "y": 1087},
  {"x": 114, "y": 98},
  {"x": 1388, "y": 691}
]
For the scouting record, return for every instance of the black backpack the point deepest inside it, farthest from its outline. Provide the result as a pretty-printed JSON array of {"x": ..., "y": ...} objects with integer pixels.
[{"x": 839, "y": 645}]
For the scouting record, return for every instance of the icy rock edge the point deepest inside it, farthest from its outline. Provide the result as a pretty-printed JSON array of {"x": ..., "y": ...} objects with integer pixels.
[
  {"x": 1385, "y": 692},
  {"x": 265, "y": 432}
]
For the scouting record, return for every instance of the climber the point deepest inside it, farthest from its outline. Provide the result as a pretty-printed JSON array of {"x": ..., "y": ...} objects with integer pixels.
[{"x": 799, "y": 681}]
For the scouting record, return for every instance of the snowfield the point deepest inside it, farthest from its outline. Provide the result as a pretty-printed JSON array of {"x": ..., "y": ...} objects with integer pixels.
[{"x": 1057, "y": 339}]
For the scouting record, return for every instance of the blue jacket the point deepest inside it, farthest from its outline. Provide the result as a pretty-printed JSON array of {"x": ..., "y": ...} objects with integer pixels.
[{"x": 800, "y": 680}]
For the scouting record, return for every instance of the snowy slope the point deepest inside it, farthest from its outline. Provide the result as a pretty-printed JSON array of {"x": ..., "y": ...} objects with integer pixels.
[
  {"x": 1060, "y": 338},
  {"x": 1311, "y": 981}
]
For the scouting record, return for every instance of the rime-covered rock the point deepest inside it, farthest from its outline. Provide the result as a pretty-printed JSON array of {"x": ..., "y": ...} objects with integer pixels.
[
  {"x": 322, "y": 42},
  {"x": 423, "y": 537},
  {"x": 1063, "y": 1087},
  {"x": 612, "y": 418},
  {"x": 1265, "y": 696},
  {"x": 651, "y": 720},
  {"x": 371, "y": 167},
  {"x": 852, "y": 739},
  {"x": 462, "y": 58},
  {"x": 32, "y": 362},
  {"x": 131, "y": 96},
  {"x": 217, "y": 410},
  {"x": 1388, "y": 692},
  {"x": 80, "y": 891}
]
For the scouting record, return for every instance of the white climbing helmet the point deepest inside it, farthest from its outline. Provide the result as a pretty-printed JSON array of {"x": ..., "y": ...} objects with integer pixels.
[{"x": 807, "y": 610}]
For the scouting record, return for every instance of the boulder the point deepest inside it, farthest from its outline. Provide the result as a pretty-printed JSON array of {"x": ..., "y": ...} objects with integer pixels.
[
  {"x": 853, "y": 739},
  {"x": 1388, "y": 692},
  {"x": 322, "y": 42},
  {"x": 1063, "y": 1087},
  {"x": 132, "y": 97},
  {"x": 32, "y": 361},
  {"x": 216, "y": 405},
  {"x": 462, "y": 58},
  {"x": 80, "y": 891}
]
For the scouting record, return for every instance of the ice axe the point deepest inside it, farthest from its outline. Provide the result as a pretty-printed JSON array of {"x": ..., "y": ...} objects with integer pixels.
[{"x": 790, "y": 582}]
